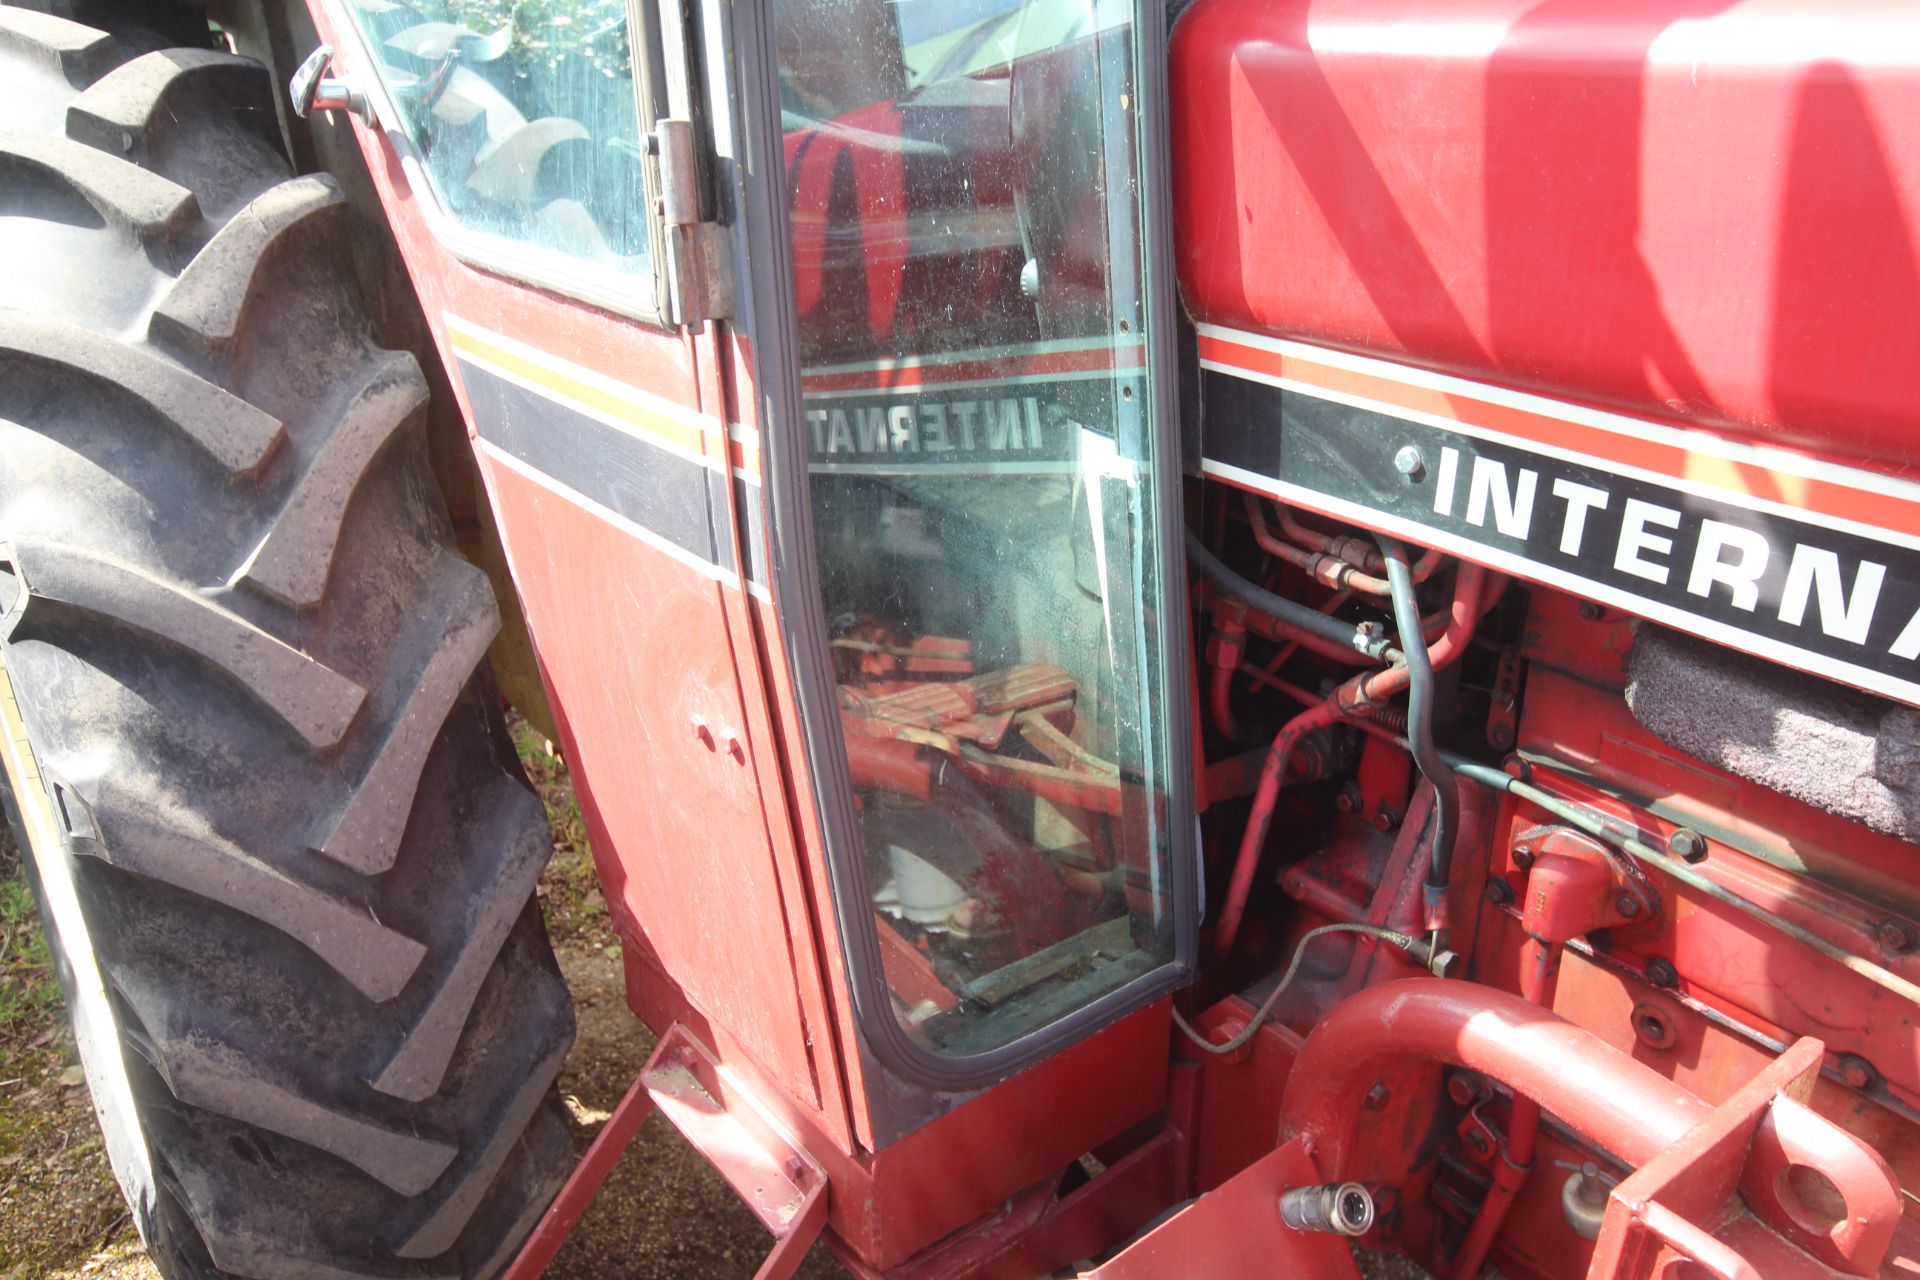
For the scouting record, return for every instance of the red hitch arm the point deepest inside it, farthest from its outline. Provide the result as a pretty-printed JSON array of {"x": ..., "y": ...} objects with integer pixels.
[{"x": 1619, "y": 1103}]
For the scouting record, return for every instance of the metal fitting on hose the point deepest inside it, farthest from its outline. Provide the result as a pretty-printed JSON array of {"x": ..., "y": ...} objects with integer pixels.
[
  {"x": 1342, "y": 1208},
  {"x": 1353, "y": 700}
]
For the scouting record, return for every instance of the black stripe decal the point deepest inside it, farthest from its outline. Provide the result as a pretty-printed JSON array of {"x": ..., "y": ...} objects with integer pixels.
[
  {"x": 1841, "y": 603},
  {"x": 753, "y": 529},
  {"x": 718, "y": 515},
  {"x": 662, "y": 491}
]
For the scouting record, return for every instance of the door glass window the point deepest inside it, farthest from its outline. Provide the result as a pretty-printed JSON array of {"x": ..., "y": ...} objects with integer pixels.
[
  {"x": 966, "y": 219},
  {"x": 525, "y": 118}
]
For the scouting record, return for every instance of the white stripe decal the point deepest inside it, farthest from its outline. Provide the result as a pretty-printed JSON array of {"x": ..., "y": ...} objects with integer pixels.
[
  {"x": 1692, "y": 440},
  {"x": 704, "y": 568},
  {"x": 1016, "y": 377},
  {"x": 628, "y": 429},
  {"x": 1686, "y": 484},
  {"x": 644, "y": 400},
  {"x": 979, "y": 355}
]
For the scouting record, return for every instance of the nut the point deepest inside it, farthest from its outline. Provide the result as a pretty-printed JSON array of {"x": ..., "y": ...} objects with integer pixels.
[
  {"x": 1498, "y": 893},
  {"x": 1377, "y": 1097},
  {"x": 1687, "y": 844},
  {"x": 1523, "y": 856},
  {"x": 1590, "y": 611},
  {"x": 1661, "y": 973}
]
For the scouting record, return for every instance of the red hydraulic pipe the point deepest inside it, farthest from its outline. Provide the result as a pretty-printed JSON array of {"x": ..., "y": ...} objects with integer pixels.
[
  {"x": 1357, "y": 696},
  {"x": 1468, "y": 588},
  {"x": 1267, "y": 627},
  {"x": 1265, "y": 797},
  {"x": 1626, "y": 1107},
  {"x": 1322, "y": 564},
  {"x": 1539, "y": 971},
  {"x": 1356, "y": 551},
  {"x": 1229, "y": 645}
]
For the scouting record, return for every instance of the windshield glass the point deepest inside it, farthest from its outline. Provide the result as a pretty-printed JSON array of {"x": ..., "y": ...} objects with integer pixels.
[{"x": 966, "y": 220}]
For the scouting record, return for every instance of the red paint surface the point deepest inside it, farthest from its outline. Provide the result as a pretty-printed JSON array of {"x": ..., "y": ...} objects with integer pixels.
[
  {"x": 1510, "y": 191},
  {"x": 1236, "y": 1231},
  {"x": 1682, "y": 208}
]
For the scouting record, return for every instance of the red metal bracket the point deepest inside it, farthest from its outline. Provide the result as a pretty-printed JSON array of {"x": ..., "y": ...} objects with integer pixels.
[
  {"x": 1803, "y": 1192},
  {"x": 783, "y": 1185}
]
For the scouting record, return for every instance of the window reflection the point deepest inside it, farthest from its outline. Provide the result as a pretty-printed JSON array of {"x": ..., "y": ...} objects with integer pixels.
[
  {"x": 965, "y": 212},
  {"x": 524, "y": 115}
]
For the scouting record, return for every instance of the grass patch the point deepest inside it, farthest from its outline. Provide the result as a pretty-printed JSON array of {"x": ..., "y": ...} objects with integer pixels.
[
  {"x": 28, "y": 991},
  {"x": 59, "y": 1203},
  {"x": 570, "y": 889}
]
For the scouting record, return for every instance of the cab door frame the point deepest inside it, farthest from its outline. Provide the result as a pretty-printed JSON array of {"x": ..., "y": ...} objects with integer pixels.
[{"x": 768, "y": 314}]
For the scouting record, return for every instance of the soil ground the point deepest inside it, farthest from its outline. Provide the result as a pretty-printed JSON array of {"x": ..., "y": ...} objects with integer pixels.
[{"x": 662, "y": 1215}]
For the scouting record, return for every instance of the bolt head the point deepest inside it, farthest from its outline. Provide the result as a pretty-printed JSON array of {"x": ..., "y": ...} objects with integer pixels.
[
  {"x": 1410, "y": 462},
  {"x": 1590, "y": 611},
  {"x": 1687, "y": 844},
  {"x": 1627, "y": 905},
  {"x": 1856, "y": 1072},
  {"x": 1661, "y": 973},
  {"x": 1895, "y": 936},
  {"x": 1498, "y": 893},
  {"x": 1376, "y": 1099},
  {"x": 1523, "y": 856}
]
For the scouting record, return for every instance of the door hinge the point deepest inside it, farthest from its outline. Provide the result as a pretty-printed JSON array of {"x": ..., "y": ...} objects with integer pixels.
[{"x": 699, "y": 254}]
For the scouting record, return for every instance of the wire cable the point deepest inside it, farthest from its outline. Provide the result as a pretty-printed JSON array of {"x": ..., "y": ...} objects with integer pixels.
[{"x": 1397, "y": 938}]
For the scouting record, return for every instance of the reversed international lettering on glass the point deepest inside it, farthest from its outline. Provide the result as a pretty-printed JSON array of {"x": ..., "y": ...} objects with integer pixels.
[
  {"x": 524, "y": 114},
  {"x": 966, "y": 229}
]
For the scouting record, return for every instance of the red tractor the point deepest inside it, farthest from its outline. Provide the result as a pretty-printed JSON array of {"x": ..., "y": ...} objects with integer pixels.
[{"x": 1191, "y": 635}]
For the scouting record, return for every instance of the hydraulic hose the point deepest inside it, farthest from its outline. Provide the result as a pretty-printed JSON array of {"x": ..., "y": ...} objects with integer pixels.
[
  {"x": 1420, "y": 697},
  {"x": 1246, "y": 1033},
  {"x": 1303, "y": 617}
]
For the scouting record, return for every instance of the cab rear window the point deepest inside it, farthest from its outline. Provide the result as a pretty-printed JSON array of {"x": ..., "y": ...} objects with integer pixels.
[{"x": 525, "y": 120}]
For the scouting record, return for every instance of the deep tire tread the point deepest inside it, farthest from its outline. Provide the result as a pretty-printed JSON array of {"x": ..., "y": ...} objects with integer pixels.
[{"x": 306, "y": 858}]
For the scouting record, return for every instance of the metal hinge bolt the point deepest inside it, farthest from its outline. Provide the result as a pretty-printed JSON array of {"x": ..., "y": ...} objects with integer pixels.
[{"x": 312, "y": 89}]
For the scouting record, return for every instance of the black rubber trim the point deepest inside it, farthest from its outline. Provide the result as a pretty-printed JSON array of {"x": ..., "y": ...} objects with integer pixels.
[{"x": 770, "y": 314}]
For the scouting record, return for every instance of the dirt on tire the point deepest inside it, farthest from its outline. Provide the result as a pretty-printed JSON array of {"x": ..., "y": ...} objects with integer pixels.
[{"x": 283, "y": 847}]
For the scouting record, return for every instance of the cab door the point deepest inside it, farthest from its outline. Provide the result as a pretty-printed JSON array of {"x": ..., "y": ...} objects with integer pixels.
[
  {"x": 963, "y": 363},
  {"x": 520, "y": 166}
]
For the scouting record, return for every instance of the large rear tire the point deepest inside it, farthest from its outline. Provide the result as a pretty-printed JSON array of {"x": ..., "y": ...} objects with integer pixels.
[{"x": 285, "y": 849}]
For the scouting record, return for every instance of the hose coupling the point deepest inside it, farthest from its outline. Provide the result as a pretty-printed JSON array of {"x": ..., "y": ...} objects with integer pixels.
[{"x": 1341, "y": 1208}]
